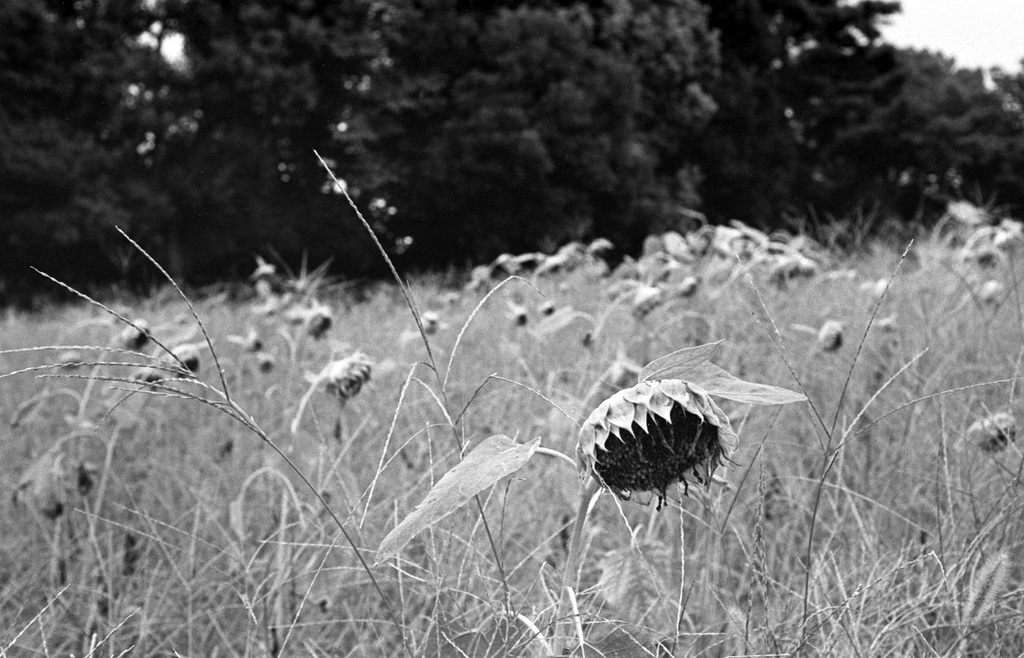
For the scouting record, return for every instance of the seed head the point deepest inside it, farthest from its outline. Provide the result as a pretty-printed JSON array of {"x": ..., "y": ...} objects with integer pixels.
[
  {"x": 431, "y": 323},
  {"x": 346, "y": 377},
  {"x": 188, "y": 355},
  {"x": 993, "y": 433},
  {"x": 135, "y": 339},
  {"x": 265, "y": 361},
  {"x": 645, "y": 440},
  {"x": 70, "y": 359},
  {"x": 319, "y": 321},
  {"x": 992, "y": 291},
  {"x": 519, "y": 315},
  {"x": 830, "y": 336},
  {"x": 645, "y": 300},
  {"x": 47, "y": 484},
  {"x": 687, "y": 286}
]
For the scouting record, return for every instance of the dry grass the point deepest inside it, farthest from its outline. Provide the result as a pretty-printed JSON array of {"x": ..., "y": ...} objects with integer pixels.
[{"x": 874, "y": 527}]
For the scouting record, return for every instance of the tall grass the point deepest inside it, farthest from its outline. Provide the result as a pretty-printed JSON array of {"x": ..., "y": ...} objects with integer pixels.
[{"x": 885, "y": 532}]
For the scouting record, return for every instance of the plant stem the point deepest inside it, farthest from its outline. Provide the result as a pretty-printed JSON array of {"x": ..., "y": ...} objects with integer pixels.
[{"x": 571, "y": 575}]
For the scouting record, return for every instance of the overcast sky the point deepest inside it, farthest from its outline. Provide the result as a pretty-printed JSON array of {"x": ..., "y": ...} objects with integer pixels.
[{"x": 978, "y": 33}]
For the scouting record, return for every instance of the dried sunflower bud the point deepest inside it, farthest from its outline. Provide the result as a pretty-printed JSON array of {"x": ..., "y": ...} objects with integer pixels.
[
  {"x": 645, "y": 440},
  {"x": 995, "y": 432},
  {"x": 992, "y": 292},
  {"x": 431, "y": 323},
  {"x": 319, "y": 320},
  {"x": 519, "y": 315},
  {"x": 265, "y": 361},
  {"x": 135, "y": 339},
  {"x": 687, "y": 286},
  {"x": 188, "y": 355},
  {"x": 830, "y": 336},
  {"x": 346, "y": 377},
  {"x": 645, "y": 300},
  {"x": 70, "y": 359}
]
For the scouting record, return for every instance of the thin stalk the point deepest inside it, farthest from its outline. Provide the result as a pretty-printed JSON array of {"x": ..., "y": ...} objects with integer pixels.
[
  {"x": 571, "y": 575},
  {"x": 411, "y": 303}
]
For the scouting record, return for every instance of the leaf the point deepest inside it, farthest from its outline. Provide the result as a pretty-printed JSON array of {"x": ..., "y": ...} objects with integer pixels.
[
  {"x": 490, "y": 461},
  {"x": 718, "y": 382},
  {"x": 679, "y": 363},
  {"x": 557, "y": 321}
]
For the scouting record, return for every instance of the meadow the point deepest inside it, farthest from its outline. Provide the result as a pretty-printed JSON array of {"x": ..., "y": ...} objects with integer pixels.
[{"x": 151, "y": 515}]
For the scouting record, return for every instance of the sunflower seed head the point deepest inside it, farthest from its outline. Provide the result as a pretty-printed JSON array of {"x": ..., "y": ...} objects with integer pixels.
[
  {"x": 431, "y": 322},
  {"x": 645, "y": 300},
  {"x": 519, "y": 315},
  {"x": 346, "y": 377},
  {"x": 651, "y": 437},
  {"x": 993, "y": 433},
  {"x": 992, "y": 291},
  {"x": 319, "y": 320},
  {"x": 48, "y": 484},
  {"x": 687, "y": 286},
  {"x": 188, "y": 355},
  {"x": 135, "y": 339},
  {"x": 265, "y": 361},
  {"x": 830, "y": 336},
  {"x": 251, "y": 342}
]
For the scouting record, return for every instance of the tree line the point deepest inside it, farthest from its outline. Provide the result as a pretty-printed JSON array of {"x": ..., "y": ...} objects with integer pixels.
[{"x": 464, "y": 129}]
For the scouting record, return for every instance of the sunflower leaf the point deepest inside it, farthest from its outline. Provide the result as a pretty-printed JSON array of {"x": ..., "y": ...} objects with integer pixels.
[
  {"x": 490, "y": 461},
  {"x": 555, "y": 322},
  {"x": 716, "y": 381},
  {"x": 678, "y": 364}
]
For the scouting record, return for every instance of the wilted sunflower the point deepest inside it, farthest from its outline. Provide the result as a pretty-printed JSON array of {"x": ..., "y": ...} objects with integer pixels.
[
  {"x": 645, "y": 300},
  {"x": 431, "y": 322},
  {"x": 993, "y": 433},
  {"x": 265, "y": 361},
  {"x": 135, "y": 338},
  {"x": 830, "y": 336},
  {"x": 319, "y": 320},
  {"x": 992, "y": 292},
  {"x": 188, "y": 355},
  {"x": 644, "y": 440},
  {"x": 345, "y": 378}
]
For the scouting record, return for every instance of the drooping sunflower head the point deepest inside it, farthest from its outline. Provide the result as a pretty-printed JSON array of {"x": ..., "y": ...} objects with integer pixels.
[
  {"x": 346, "y": 377},
  {"x": 648, "y": 439}
]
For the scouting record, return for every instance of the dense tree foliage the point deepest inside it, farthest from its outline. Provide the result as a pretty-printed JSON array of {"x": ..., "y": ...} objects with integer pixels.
[
  {"x": 525, "y": 123},
  {"x": 464, "y": 128},
  {"x": 795, "y": 75}
]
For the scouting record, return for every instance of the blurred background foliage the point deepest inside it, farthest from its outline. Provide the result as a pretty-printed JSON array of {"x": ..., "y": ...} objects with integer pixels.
[{"x": 464, "y": 129}]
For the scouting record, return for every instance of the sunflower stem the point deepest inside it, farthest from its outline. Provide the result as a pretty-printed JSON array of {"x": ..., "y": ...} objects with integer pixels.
[{"x": 571, "y": 575}]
